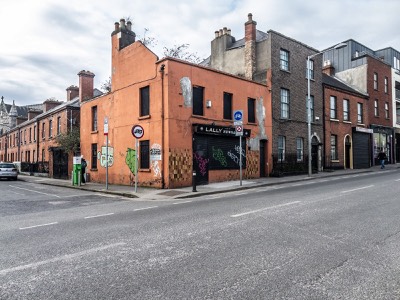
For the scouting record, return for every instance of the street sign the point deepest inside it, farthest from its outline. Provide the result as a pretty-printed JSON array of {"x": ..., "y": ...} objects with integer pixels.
[
  {"x": 137, "y": 131},
  {"x": 238, "y": 115},
  {"x": 105, "y": 126},
  {"x": 239, "y": 130},
  {"x": 236, "y": 123}
]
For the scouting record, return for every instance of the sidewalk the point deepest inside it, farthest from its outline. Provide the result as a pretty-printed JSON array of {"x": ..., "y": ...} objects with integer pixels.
[{"x": 146, "y": 193}]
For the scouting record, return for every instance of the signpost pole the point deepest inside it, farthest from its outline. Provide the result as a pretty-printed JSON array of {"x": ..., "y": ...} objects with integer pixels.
[
  {"x": 107, "y": 162},
  {"x": 136, "y": 163},
  {"x": 240, "y": 158}
]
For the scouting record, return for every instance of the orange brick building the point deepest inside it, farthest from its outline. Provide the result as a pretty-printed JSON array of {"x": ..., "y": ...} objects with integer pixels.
[{"x": 186, "y": 112}]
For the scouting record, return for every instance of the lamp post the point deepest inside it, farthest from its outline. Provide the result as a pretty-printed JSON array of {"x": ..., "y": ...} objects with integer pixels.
[{"x": 338, "y": 46}]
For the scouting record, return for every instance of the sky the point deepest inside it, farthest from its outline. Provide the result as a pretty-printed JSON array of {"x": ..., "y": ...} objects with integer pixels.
[{"x": 45, "y": 44}]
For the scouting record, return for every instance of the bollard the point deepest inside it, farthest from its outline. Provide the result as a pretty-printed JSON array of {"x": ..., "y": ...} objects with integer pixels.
[{"x": 194, "y": 181}]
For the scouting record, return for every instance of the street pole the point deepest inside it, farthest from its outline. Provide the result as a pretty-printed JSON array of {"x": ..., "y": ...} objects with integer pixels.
[
  {"x": 136, "y": 163},
  {"x": 107, "y": 162},
  {"x": 309, "y": 117},
  {"x": 240, "y": 158}
]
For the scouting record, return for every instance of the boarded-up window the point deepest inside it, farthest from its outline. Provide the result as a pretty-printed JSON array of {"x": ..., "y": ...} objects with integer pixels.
[{"x": 198, "y": 100}]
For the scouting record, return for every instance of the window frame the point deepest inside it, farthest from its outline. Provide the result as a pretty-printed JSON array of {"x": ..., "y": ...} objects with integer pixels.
[
  {"x": 227, "y": 106},
  {"x": 334, "y": 147},
  {"x": 94, "y": 118},
  {"x": 387, "y": 110},
  {"x": 144, "y": 102},
  {"x": 284, "y": 60},
  {"x": 93, "y": 149},
  {"x": 375, "y": 81},
  {"x": 58, "y": 125},
  {"x": 376, "y": 108},
  {"x": 281, "y": 148},
  {"x": 300, "y": 149},
  {"x": 198, "y": 101},
  {"x": 251, "y": 110},
  {"x": 333, "y": 108},
  {"x": 360, "y": 117},
  {"x": 310, "y": 69},
  {"x": 346, "y": 110},
  {"x": 50, "y": 128},
  {"x": 386, "y": 85},
  {"x": 285, "y": 104}
]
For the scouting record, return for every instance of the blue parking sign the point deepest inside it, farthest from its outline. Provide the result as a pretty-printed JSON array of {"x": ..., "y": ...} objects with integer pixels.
[{"x": 238, "y": 115}]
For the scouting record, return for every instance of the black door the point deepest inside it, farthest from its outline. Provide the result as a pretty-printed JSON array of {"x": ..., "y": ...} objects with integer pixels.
[
  {"x": 262, "y": 159},
  {"x": 200, "y": 159},
  {"x": 314, "y": 157},
  {"x": 60, "y": 164}
]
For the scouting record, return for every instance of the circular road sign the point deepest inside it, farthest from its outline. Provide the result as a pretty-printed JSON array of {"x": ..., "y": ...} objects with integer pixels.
[
  {"x": 137, "y": 131},
  {"x": 238, "y": 115}
]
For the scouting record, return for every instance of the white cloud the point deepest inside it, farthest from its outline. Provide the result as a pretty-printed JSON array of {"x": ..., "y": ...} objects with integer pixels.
[{"x": 46, "y": 43}]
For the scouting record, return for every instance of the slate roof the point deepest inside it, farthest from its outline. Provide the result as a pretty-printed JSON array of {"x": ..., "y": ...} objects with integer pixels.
[{"x": 339, "y": 84}]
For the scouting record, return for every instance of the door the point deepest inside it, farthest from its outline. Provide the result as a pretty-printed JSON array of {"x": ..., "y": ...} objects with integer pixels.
[
  {"x": 200, "y": 159},
  {"x": 347, "y": 152},
  {"x": 263, "y": 172},
  {"x": 60, "y": 164},
  {"x": 314, "y": 155}
]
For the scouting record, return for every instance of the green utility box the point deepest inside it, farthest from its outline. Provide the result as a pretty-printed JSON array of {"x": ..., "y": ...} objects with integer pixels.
[{"x": 76, "y": 171}]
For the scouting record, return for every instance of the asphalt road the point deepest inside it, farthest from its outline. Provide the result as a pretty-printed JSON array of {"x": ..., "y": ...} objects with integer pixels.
[{"x": 332, "y": 238}]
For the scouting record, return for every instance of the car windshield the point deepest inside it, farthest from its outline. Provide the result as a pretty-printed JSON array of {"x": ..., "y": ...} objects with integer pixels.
[{"x": 7, "y": 166}]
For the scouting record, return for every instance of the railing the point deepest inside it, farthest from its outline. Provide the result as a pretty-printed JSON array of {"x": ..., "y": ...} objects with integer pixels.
[
  {"x": 289, "y": 166},
  {"x": 38, "y": 167}
]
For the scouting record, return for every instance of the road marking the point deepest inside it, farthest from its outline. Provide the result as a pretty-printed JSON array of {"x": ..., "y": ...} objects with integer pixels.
[
  {"x": 262, "y": 209},
  {"x": 98, "y": 216},
  {"x": 57, "y": 259},
  {"x": 357, "y": 189},
  {"x": 181, "y": 202},
  {"x": 17, "y": 187},
  {"x": 144, "y": 208},
  {"x": 40, "y": 225}
]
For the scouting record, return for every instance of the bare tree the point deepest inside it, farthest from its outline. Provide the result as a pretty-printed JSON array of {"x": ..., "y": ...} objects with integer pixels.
[
  {"x": 106, "y": 85},
  {"x": 182, "y": 53}
]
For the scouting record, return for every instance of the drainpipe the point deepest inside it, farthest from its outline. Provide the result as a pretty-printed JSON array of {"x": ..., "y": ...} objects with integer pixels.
[{"x": 162, "y": 68}]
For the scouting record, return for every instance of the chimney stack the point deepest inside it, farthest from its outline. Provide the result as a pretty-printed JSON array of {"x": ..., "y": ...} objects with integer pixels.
[
  {"x": 72, "y": 92},
  {"x": 124, "y": 34},
  {"x": 328, "y": 68},
  {"x": 85, "y": 85},
  {"x": 250, "y": 47}
]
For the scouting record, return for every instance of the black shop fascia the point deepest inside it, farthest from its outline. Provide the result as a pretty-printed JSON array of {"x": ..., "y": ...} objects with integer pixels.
[{"x": 219, "y": 130}]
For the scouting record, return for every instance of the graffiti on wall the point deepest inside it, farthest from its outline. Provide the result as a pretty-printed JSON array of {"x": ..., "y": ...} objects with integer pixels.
[
  {"x": 102, "y": 156},
  {"x": 201, "y": 163},
  {"x": 130, "y": 160},
  {"x": 155, "y": 158}
]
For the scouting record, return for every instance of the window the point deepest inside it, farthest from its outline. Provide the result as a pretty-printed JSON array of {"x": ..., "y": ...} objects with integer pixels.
[
  {"x": 310, "y": 69},
  {"x": 359, "y": 113},
  {"x": 334, "y": 153},
  {"x": 34, "y": 156},
  {"x": 285, "y": 104},
  {"x": 94, "y": 157},
  {"x": 311, "y": 108},
  {"x": 333, "y": 107},
  {"x": 396, "y": 63},
  {"x": 387, "y": 110},
  {"x": 198, "y": 100},
  {"x": 58, "y": 125},
  {"x": 284, "y": 60},
  {"x": 251, "y": 108},
  {"x": 30, "y": 134},
  {"x": 346, "y": 109},
  {"x": 281, "y": 147},
  {"x": 376, "y": 108},
  {"x": 24, "y": 136},
  {"x": 227, "y": 106},
  {"x": 375, "y": 81},
  {"x": 94, "y": 118},
  {"x": 34, "y": 133},
  {"x": 43, "y": 130},
  {"x": 144, "y": 155},
  {"x": 50, "y": 128},
  {"x": 386, "y": 85},
  {"x": 43, "y": 154},
  {"x": 145, "y": 101},
  {"x": 299, "y": 148}
]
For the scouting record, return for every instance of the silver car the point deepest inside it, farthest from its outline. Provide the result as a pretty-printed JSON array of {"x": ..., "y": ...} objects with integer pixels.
[{"x": 8, "y": 171}]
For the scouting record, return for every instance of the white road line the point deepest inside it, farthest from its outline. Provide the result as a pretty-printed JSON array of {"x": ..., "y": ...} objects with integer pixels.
[
  {"x": 144, "y": 208},
  {"x": 40, "y": 225},
  {"x": 262, "y": 209},
  {"x": 181, "y": 202},
  {"x": 17, "y": 187},
  {"x": 98, "y": 216},
  {"x": 57, "y": 259},
  {"x": 357, "y": 189}
]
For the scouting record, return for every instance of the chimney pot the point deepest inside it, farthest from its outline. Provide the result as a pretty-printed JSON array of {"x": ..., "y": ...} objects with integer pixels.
[
  {"x": 129, "y": 25},
  {"x": 216, "y": 33},
  {"x": 122, "y": 21},
  {"x": 116, "y": 26},
  {"x": 250, "y": 16},
  {"x": 229, "y": 31},
  {"x": 224, "y": 30}
]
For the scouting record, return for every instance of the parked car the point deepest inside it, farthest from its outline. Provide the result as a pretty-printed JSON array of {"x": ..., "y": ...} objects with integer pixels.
[{"x": 8, "y": 171}]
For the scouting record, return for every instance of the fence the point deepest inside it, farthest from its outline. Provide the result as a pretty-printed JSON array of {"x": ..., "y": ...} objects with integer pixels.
[
  {"x": 38, "y": 167},
  {"x": 289, "y": 166}
]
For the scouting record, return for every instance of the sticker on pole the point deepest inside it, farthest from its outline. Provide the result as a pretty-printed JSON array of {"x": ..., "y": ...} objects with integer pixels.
[
  {"x": 137, "y": 131},
  {"x": 239, "y": 130}
]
